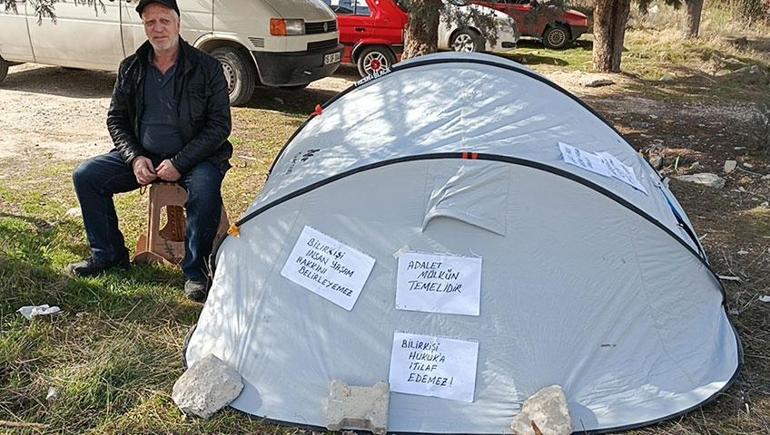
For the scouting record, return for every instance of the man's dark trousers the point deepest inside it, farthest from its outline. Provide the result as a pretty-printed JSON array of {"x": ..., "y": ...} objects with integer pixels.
[{"x": 98, "y": 179}]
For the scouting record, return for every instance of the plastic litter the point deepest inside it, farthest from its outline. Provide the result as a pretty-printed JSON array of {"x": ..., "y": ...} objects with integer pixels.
[{"x": 31, "y": 311}]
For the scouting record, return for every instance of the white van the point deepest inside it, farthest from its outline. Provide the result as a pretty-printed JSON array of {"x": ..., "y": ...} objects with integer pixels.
[{"x": 284, "y": 43}]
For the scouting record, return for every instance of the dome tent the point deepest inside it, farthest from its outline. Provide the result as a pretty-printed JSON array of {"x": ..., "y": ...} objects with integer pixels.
[{"x": 586, "y": 279}]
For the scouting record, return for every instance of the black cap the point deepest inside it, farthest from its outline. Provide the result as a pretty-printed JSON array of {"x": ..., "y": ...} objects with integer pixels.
[{"x": 171, "y": 4}]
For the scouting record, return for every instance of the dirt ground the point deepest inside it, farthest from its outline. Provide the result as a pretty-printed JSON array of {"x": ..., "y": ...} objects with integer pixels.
[{"x": 62, "y": 111}]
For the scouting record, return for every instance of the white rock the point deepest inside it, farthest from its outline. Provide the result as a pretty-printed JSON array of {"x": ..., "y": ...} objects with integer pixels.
[
  {"x": 206, "y": 387},
  {"x": 548, "y": 410},
  {"x": 730, "y": 166},
  {"x": 667, "y": 78},
  {"x": 704, "y": 178},
  {"x": 765, "y": 298},
  {"x": 74, "y": 212},
  {"x": 363, "y": 408},
  {"x": 766, "y": 177},
  {"x": 52, "y": 395},
  {"x": 748, "y": 165},
  {"x": 743, "y": 252},
  {"x": 595, "y": 82}
]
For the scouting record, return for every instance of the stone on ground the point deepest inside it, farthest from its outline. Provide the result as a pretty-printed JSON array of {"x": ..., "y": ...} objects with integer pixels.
[
  {"x": 52, "y": 395},
  {"x": 74, "y": 212},
  {"x": 364, "y": 408},
  {"x": 730, "y": 166},
  {"x": 547, "y": 411},
  {"x": 206, "y": 387},
  {"x": 704, "y": 178},
  {"x": 667, "y": 78},
  {"x": 595, "y": 82}
]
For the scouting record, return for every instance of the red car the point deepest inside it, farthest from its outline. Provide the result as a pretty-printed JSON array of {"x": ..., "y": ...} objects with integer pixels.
[
  {"x": 371, "y": 31},
  {"x": 556, "y": 26}
]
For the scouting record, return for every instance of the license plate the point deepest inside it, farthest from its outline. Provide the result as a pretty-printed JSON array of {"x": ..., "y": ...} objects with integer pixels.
[{"x": 331, "y": 58}]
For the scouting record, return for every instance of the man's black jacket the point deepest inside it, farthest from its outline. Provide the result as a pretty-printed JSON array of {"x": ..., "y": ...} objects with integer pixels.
[{"x": 202, "y": 101}]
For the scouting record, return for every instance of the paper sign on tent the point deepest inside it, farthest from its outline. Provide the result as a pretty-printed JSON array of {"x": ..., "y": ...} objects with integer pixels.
[
  {"x": 621, "y": 171},
  {"x": 433, "y": 366},
  {"x": 601, "y": 163},
  {"x": 438, "y": 283},
  {"x": 328, "y": 267}
]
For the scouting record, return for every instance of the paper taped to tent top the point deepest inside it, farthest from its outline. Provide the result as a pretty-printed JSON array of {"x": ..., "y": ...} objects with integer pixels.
[
  {"x": 601, "y": 163},
  {"x": 591, "y": 279}
]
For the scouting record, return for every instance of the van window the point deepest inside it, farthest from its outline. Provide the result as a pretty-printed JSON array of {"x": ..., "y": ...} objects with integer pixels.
[{"x": 349, "y": 7}]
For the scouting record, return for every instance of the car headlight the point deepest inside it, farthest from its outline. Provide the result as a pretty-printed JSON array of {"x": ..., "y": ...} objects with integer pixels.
[{"x": 286, "y": 27}]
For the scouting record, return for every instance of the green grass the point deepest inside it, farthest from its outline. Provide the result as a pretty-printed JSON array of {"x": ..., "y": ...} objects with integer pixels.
[
  {"x": 707, "y": 69},
  {"x": 115, "y": 351}
]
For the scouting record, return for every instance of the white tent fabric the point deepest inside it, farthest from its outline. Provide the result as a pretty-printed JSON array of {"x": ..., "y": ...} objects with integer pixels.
[{"x": 587, "y": 282}]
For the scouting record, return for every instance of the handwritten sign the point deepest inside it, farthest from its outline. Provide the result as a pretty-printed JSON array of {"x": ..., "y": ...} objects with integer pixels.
[
  {"x": 621, "y": 171},
  {"x": 433, "y": 366},
  {"x": 583, "y": 159},
  {"x": 604, "y": 164},
  {"x": 328, "y": 268},
  {"x": 438, "y": 284}
]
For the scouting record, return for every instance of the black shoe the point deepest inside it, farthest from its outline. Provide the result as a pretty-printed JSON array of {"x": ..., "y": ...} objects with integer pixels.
[
  {"x": 91, "y": 267},
  {"x": 196, "y": 290}
]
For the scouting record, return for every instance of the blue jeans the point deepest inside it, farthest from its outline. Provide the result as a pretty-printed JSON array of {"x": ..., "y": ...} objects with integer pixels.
[{"x": 98, "y": 179}]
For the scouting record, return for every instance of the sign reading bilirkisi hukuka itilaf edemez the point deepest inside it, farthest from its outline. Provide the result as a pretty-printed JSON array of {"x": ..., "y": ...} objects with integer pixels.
[
  {"x": 433, "y": 366},
  {"x": 438, "y": 283},
  {"x": 328, "y": 268}
]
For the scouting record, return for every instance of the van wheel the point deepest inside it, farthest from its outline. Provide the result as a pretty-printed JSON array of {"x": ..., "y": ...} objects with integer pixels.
[
  {"x": 556, "y": 37},
  {"x": 239, "y": 73},
  {"x": 373, "y": 60},
  {"x": 466, "y": 40},
  {"x": 3, "y": 69}
]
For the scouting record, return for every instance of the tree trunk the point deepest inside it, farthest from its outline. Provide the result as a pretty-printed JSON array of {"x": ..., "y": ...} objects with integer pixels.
[
  {"x": 694, "y": 9},
  {"x": 610, "y": 18},
  {"x": 422, "y": 30}
]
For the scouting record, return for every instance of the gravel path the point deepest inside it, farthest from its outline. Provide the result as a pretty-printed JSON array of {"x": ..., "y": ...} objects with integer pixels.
[
  {"x": 63, "y": 111},
  {"x": 60, "y": 113}
]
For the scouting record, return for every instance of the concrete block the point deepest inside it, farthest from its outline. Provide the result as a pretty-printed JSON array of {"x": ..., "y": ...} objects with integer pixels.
[
  {"x": 544, "y": 413},
  {"x": 206, "y": 387},
  {"x": 364, "y": 408}
]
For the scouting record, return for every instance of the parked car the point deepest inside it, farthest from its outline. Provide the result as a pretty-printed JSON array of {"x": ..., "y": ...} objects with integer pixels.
[
  {"x": 372, "y": 32},
  {"x": 556, "y": 26},
  {"x": 283, "y": 43},
  {"x": 468, "y": 35}
]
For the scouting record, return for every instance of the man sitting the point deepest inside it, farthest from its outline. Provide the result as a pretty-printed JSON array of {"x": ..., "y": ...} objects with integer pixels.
[{"x": 169, "y": 120}]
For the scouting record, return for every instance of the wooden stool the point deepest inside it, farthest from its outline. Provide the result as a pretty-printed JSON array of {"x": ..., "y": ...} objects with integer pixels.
[{"x": 167, "y": 244}]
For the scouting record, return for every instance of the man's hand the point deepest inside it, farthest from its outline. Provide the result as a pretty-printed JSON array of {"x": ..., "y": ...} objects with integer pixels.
[
  {"x": 167, "y": 172},
  {"x": 143, "y": 170}
]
